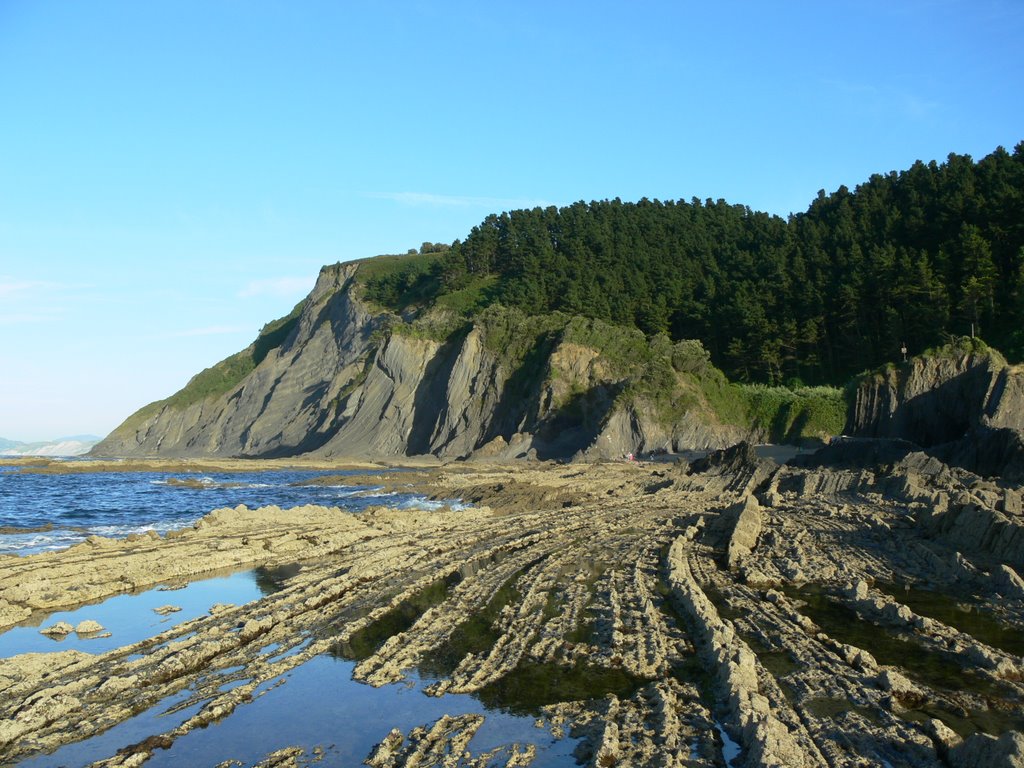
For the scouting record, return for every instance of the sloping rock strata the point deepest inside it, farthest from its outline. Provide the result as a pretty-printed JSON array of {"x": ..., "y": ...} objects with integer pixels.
[
  {"x": 811, "y": 649},
  {"x": 348, "y": 380},
  {"x": 964, "y": 405}
]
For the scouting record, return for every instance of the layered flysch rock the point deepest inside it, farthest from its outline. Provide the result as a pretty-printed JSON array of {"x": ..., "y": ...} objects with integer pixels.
[
  {"x": 347, "y": 381},
  {"x": 964, "y": 405}
]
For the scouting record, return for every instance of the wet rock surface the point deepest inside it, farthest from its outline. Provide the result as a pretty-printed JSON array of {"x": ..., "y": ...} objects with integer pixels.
[{"x": 661, "y": 615}]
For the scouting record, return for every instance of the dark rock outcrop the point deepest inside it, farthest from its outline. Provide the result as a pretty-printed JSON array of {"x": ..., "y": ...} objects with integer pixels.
[
  {"x": 964, "y": 404},
  {"x": 737, "y": 469},
  {"x": 736, "y": 459},
  {"x": 856, "y": 453},
  {"x": 929, "y": 400},
  {"x": 982, "y": 518},
  {"x": 989, "y": 452}
]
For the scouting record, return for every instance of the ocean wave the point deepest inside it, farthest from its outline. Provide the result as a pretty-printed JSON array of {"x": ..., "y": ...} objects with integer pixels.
[
  {"x": 397, "y": 500},
  {"x": 379, "y": 493},
  {"x": 431, "y": 505},
  {"x": 204, "y": 483},
  {"x": 31, "y": 543},
  {"x": 49, "y": 541},
  {"x": 185, "y": 482},
  {"x": 341, "y": 493},
  {"x": 122, "y": 531},
  {"x": 352, "y": 489}
]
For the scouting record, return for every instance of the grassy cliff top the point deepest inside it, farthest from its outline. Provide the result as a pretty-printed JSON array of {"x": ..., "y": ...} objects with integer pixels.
[{"x": 957, "y": 348}]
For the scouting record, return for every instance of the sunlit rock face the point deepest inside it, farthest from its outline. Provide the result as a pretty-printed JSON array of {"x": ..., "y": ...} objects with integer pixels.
[
  {"x": 963, "y": 404},
  {"x": 350, "y": 380}
]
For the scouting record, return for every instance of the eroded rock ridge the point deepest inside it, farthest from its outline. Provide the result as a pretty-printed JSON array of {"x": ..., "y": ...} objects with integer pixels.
[
  {"x": 814, "y": 616},
  {"x": 964, "y": 405},
  {"x": 348, "y": 380}
]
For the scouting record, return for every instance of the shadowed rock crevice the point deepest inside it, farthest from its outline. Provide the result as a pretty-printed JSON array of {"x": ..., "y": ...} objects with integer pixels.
[{"x": 430, "y": 403}]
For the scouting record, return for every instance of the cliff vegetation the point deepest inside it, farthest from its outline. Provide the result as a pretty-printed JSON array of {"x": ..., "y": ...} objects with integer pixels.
[{"x": 909, "y": 257}]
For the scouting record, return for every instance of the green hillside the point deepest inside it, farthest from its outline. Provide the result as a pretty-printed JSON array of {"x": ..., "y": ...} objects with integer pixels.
[
  {"x": 224, "y": 376},
  {"x": 915, "y": 257}
]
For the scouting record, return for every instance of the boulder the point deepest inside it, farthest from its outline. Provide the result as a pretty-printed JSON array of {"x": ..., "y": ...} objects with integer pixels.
[
  {"x": 60, "y": 629},
  {"x": 1008, "y": 582},
  {"x": 897, "y": 684},
  {"x": 984, "y": 751},
  {"x": 745, "y": 533}
]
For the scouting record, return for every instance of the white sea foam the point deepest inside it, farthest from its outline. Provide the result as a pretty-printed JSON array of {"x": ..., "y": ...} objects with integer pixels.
[
  {"x": 185, "y": 482},
  {"x": 121, "y": 531},
  {"x": 120, "y": 504},
  {"x": 42, "y": 541},
  {"x": 49, "y": 541},
  {"x": 433, "y": 504},
  {"x": 346, "y": 491}
]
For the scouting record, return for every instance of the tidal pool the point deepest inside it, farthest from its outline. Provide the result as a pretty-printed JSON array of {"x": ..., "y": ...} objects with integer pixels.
[
  {"x": 130, "y": 618},
  {"x": 938, "y": 670},
  {"x": 961, "y": 612},
  {"x": 315, "y": 705}
]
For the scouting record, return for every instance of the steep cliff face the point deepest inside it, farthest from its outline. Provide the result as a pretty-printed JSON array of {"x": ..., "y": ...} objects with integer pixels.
[
  {"x": 283, "y": 407},
  {"x": 930, "y": 400},
  {"x": 350, "y": 381},
  {"x": 963, "y": 404}
]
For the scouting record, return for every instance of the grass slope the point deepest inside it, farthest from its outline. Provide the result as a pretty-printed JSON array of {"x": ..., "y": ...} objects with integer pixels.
[{"x": 224, "y": 376}]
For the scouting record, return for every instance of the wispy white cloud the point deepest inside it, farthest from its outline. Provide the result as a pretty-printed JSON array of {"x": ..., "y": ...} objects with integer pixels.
[
  {"x": 211, "y": 330},
  {"x": 30, "y": 302},
  {"x": 11, "y": 286},
  {"x": 887, "y": 98},
  {"x": 918, "y": 107},
  {"x": 276, "y": 286},
  {"x": 17, "y": 287},
  {"x": 456, "y": 201},
  {"x": 27, "y": 318}
]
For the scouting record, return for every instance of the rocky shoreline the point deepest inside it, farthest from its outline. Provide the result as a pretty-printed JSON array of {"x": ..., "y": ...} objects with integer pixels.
[{"x": 811, "y": 614}]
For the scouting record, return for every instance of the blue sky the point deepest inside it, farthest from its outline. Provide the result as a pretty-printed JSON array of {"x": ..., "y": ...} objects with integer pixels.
[{"x": 174, "y": 174}]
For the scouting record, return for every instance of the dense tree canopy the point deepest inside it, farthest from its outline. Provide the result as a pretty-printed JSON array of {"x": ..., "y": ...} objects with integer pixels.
[{"x": 905, "y": 257}]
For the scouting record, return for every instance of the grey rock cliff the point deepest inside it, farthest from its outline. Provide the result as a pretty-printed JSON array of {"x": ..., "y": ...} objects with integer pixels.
[
  {"x": 349, "y": 381},
  {"x": 964, "y": 405},
  {"x": 285, "y": 406}
]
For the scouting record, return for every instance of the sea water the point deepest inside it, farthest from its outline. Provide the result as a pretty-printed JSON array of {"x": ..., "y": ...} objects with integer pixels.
[{"x": 54, "y": 511}]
